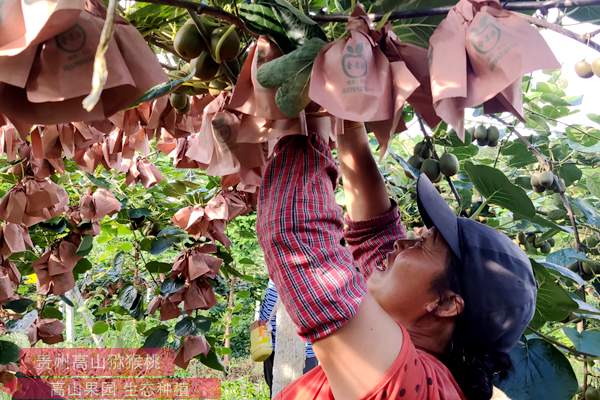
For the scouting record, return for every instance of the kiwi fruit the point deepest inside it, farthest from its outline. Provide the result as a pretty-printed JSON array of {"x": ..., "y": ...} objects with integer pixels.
[
  {"x": 179, "y": 101},
  {"x": 493, "y": 134},
  {"x": 482, "y": 142},
  {"x": 546, "y": 179},
  {"x": 521, "y": 238},
  {"x": 415, "y": 161},
  {"x": 422, "y": 150},
  {"x": 224, "y": 48},
  {"x": 431, "y": 168},
  {"x": 206, "y": 68},
  {"x": 185, "y": 109},
  {"x": 536, "y": 182},
  {"x": 188, "y": 43},
  {"x": 590, "y": 267},
  {"x": 448, "y": 164},
  {"x": 480, "y": 133},
  {"x": 545, "y": 248},
  {"x": 493, "y": 143},
  {"x": 596, "y": 67},
  {"x": 592, "y": 393},
  {"x": 583, "y": 69}
]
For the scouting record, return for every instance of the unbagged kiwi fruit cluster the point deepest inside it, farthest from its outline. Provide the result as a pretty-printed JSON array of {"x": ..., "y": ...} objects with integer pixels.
[
  {"x": 434, "y": 169},
  {"x": 222, "y": 44}
]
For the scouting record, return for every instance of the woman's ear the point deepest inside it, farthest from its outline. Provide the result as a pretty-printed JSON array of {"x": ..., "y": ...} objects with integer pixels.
[{"x": 449, "y": 305}]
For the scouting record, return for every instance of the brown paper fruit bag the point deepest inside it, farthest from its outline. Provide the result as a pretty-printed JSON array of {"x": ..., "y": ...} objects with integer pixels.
[
  {"x": 478, "y": 55},
  {"x": 60, "y": 73}
]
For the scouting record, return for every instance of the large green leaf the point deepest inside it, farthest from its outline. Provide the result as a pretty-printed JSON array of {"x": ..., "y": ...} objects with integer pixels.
[
  {"x": 591, "y": 214},
  {"x": 566, "y": 257},
  {"x": 185, "y": 326},
  {"x": 127, "y": 298},
  {"x": 497, "y": 189},
  {"x": 585, "y": 14},
  {"x": 157, "y": 338},
  {"x": 162, "y": 89},
  {"x": 156, "y": 267},
  {"x": 540, "y": 371},
  {"x": 211, "y": 360},
  {"x": 291, "y": 73},
  {"x": 19, "y": 305},
  {"x": 280, "y": 20},
  {"x": 99, "y": 327},
  {"x": 587, "y": 341},
  {"x": 9, "y": 352},
  {"x": 519, "y": 154},
  {"x": 85, "y": 246},
  {"x": 570, "y": 173},
  {"x": 592, "y": 181},
  {"x": 553, "y": 302}
]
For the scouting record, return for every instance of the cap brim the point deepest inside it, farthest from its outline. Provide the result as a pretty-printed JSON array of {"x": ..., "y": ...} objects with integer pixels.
[{"x": 435, "y": 212}]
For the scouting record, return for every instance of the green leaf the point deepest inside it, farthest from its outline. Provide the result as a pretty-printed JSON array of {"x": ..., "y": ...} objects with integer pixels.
[
  {"x": 553, "y": 302},
  {"x": 587, "y": 341},
  {"x": 82, "y": 267},
  {"x": 570, "y": 173},
  {"x": 246, "y": 261},
  {"x": 66, "y": 300},
  {"x": 585, "y": 14},
  {"x": 415, "y": 30},
  {"x": 519, "y": 154},
  {"x": 162, "y": 89},
  {"x": 280, "y": 20},
  {"x": 19, "y": 305},
  {"x": 157, "y": 267},
  {"x": 185, "y": 327},
  {"x": 136, "y": 213},
  {"x": 203, "y": 323},
  {"x": 156, "y": 339},
  {"x": 564, "y": 272},
  {"x": 592, "y": 181},
  {"x": 118, "y": 260},
  {"x": 590, "y": 213},
  {"x": 170, "y": 286},
  {"x": 98, "y": 181},
  {"x": 540, "y": 371},
  {"x": 291, "y": 73},
  {"x": 51, "y": 312},
  {"x": 9, "y": 352},
  {"x": 284, "y": 68},
  {"x": 497, "y": 189},
  {"x": 128, "y": 297},
  {"x": 165, "y": 239},
  {"x": 292, "y": 95},
  {"x": 211, "y": 360},
  {"x": 99, "y": 327},
  {"x": 566, "y": 257},
  {"x": 85, "y": 247},
  {"x": 464, "y": 152}
]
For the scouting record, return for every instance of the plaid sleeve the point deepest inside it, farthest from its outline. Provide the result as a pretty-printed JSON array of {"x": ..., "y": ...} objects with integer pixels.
[
  {"x": 371, "y": 240},
  {"x": 300, "y": 228}
]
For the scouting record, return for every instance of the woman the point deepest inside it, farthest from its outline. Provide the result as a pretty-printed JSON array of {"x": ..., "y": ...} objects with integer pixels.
[{"x": 389, "y": 317}]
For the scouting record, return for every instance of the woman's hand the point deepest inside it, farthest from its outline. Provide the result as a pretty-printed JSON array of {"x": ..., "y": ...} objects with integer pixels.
[{"x": 366, "y": 194}]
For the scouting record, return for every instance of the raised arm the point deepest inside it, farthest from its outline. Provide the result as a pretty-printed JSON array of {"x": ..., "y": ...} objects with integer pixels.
[
  {"x": 299, "y": 227},
  {"x": 373, "y": 223},
  {"x": 364, "y": 188}
]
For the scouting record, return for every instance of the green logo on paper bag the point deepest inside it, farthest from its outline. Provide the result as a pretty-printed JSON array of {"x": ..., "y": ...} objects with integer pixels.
[
  {"x": 72, "y": 40},
  {"x": 354, "y": 64},
  {"x": 486, "y": 36}
]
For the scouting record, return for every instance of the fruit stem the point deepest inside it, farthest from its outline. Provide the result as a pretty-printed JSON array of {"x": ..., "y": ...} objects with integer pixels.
[{"x": 222, "y": 39}]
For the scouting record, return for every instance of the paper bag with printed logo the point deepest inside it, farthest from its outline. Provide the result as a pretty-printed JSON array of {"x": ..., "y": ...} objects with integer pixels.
[
  {"x": 352, "y": 79},
  {"x": 59, "y": 75},
  {"x": 478, "y": 55}
]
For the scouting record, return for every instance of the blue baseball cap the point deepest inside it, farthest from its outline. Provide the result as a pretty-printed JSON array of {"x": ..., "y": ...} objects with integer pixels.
[{"x": 495, "y": 276}]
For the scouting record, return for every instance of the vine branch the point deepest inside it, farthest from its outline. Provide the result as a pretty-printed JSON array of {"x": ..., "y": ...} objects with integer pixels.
[{"x": 203, "y": 9}]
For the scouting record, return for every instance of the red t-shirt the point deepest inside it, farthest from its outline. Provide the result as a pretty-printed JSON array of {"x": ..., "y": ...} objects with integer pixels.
[{"x": 414, "y": 375}]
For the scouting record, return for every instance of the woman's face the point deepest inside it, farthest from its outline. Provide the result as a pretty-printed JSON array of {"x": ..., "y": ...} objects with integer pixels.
[{"x": 403, "y": 284}]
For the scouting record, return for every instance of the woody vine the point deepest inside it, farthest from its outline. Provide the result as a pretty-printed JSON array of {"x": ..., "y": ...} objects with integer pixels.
[{"x": 175, "y": 165}]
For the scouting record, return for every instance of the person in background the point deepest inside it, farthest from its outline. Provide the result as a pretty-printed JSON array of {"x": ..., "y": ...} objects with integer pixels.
[{"x": 267, "y": 314}]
